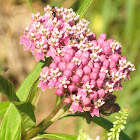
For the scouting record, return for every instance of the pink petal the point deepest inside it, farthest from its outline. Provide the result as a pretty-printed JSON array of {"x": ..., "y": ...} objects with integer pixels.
[
  {"x": 94, "y": 111},
  {"x": 82, "y": 94}
]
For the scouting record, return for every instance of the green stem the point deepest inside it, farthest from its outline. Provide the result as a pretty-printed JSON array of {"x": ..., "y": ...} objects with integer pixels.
[
  {"x": 60, "y": 109},
  {"x": 23, "y": 134},
  {"x": 31, "y": 8}
]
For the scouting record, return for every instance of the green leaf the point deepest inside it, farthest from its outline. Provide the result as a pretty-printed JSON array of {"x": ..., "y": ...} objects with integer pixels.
[
  {"x": 24, "y": 89},
  {"x": 7, "y": 88},
  {"x": 3, "y": 107},
  {"x": 101, "y": 122},
  {"x": 57, "y": 136},
  {"x": 84, "y": 7},
  {"x": 11, "y": 124},
  {"x": 26, "y": 111}
]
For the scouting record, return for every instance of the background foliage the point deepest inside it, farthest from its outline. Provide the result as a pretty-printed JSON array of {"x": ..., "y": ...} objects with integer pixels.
[{"x": 119, "y": 19}]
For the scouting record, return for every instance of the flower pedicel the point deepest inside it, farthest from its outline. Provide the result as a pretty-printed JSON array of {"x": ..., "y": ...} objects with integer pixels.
[{"x": 86, "y": 69}]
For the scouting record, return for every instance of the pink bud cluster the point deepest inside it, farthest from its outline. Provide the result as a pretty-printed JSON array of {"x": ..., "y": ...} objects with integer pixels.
[{"x": 84, "y": 69}]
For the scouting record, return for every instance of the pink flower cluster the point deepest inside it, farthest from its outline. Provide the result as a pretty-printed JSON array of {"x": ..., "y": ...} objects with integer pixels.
[{"x": 84, "y": 69}]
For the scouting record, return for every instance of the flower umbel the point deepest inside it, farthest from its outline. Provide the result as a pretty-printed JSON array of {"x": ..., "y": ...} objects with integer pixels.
[{"x": 84, "y": 68}]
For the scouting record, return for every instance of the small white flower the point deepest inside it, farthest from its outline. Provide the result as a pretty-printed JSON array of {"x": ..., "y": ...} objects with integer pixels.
[
  {"x": 109, "y": 87},
  {"x": 64, "y": 82},
  {"x": 115, "y": 45},
  {"x": 87, "y": 87},
  {"x": 76, "y": 60},
  {"x": 99, "y": 103}
]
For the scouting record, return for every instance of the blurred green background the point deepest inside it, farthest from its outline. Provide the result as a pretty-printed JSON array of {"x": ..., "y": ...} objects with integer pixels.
[{"x": 119, "y": 19}]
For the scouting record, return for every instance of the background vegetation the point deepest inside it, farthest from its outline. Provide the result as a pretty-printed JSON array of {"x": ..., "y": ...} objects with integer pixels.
[{"x": 119, "y": 19}]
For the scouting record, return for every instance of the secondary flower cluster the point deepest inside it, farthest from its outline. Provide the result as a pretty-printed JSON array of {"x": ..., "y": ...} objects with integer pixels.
[
  {"x": 118, "y": 125},
  {"x": 84, "y": 69}
]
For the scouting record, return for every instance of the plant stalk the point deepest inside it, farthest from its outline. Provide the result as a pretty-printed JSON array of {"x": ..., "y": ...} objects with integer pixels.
[
  {"x": 31, "y": 8},
  {"x": 59, "y": 110}
]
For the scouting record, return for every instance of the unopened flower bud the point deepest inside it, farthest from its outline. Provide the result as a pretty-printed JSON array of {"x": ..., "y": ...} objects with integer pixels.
[
  {"x": 84, "y": 60},
  {"x": 110, "y": 41},
  {"x": 62, "y": 66},
  {"x": 102, "y": 35},
  {"x": 57, "y": 60},
  {"x": 106, "y": 63},
  {"x": 99, "y": 83},
  {"x": 100, "y": 41},
  {"x": 93, "y": 75},
  {"x": 101, "y": 93},
  {"x": 115, "y": 57},
  {"x": 67, "y": 57},
  {"x": 105, "y": 44},
  {"x": 72, "y": 87},
  {"x": 95, "y": 70},
  {"x": 102, "y": 57},
  {"x": 112, "y": 65},
  {"x": 97, "y": 65},
  {"x": 80, "y": 72},
  {"x": 107, "y": 50},
  {"x": 67, "y": 73},
  {"x": 67, "y": 100},
  {"x": 85, "y": 79},
  {"x": 59, "y": 92},
  {"x": 102, "y": 75},
  {"x": 87, "y": 69},
  {"x": 53, "y": 66},
  {"x": 71, "y": 66},
  {"x": 76, "y": 79}
]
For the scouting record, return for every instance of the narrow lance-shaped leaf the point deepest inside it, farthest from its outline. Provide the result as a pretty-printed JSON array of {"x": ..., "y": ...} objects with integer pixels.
[
  {"x": 84, "y": 7},
  {"x": 57, "y": 136}
]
